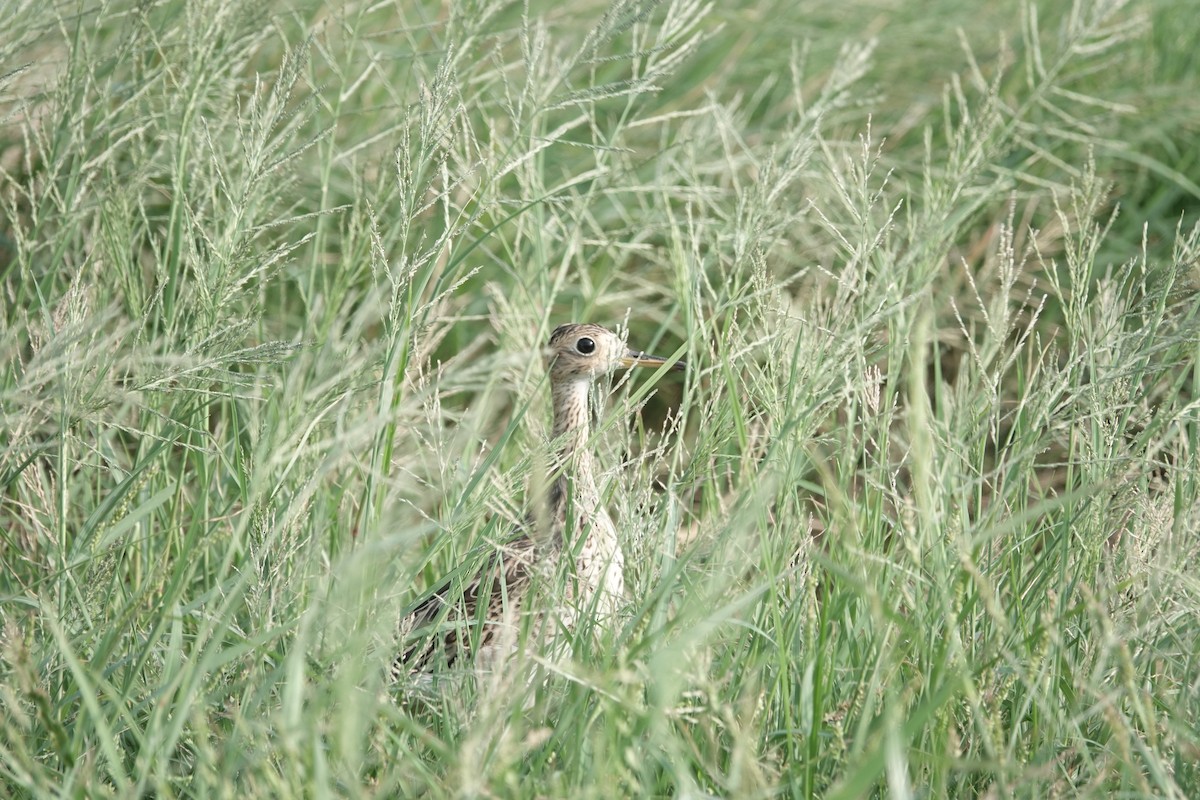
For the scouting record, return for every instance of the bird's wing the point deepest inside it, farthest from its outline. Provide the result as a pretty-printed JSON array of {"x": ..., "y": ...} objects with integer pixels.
[{"x": 438, "y": 626}]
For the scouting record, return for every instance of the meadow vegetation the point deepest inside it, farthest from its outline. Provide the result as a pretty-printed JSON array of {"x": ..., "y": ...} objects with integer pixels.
[{"x": 921, "y": 520}]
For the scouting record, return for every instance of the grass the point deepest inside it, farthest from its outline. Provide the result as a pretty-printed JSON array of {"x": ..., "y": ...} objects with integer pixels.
[{"x": 922, "y": 519}]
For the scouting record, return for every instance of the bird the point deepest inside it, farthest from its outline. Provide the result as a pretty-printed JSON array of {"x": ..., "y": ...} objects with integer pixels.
[{"x": 569, "y": 527}]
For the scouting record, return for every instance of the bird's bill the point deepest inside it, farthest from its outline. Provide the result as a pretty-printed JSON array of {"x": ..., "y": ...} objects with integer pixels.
[{"x": 636, "y": 359}]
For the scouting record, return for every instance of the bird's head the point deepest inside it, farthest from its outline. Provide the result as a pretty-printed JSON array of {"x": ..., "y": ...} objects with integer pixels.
[{"x": 581, "y": 351}]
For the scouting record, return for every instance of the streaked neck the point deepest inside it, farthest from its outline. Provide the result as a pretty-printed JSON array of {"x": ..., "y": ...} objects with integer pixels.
[
  {"x": 571, "y": 418},
  {"x": 572, "y": 469}
]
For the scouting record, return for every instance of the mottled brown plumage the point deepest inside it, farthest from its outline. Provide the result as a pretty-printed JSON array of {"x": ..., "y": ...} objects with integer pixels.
[{"x": 434, "y": 631}]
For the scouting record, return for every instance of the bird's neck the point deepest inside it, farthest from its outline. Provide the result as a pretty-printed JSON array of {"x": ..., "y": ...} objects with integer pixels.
[
  {"x": 572, "y": 489},
  {"x": 572, "y": 429}
]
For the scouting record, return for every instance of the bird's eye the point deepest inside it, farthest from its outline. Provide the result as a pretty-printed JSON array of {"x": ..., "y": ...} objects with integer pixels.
[{"x": 585, "y": 346}]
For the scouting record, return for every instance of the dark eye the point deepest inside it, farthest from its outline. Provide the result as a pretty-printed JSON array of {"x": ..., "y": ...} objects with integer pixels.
[{"x": 585, "y": 346}]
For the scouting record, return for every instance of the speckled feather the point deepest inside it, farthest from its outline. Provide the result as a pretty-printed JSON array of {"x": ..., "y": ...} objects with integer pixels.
[{"x": 538, "y": 546}]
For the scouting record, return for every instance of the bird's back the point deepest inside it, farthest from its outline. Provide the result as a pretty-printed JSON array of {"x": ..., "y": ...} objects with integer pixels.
[
  {"x": 443, "y": 627},
  {"x": 437, "y": 631}
]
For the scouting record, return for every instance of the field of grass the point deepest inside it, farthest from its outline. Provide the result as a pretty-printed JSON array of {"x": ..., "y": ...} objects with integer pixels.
[{"x": 922, "y": 519}]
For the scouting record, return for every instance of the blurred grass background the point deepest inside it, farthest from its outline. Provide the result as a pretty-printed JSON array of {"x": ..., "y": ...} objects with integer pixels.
[{"x": 920, "y": 521}]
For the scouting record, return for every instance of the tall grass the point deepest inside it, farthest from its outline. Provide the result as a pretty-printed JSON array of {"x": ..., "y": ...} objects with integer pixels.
[{"x": 920, "y": 520}]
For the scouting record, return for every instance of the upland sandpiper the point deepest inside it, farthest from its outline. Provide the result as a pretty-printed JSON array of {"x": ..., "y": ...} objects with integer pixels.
[{"x": 571, "y": 523}]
